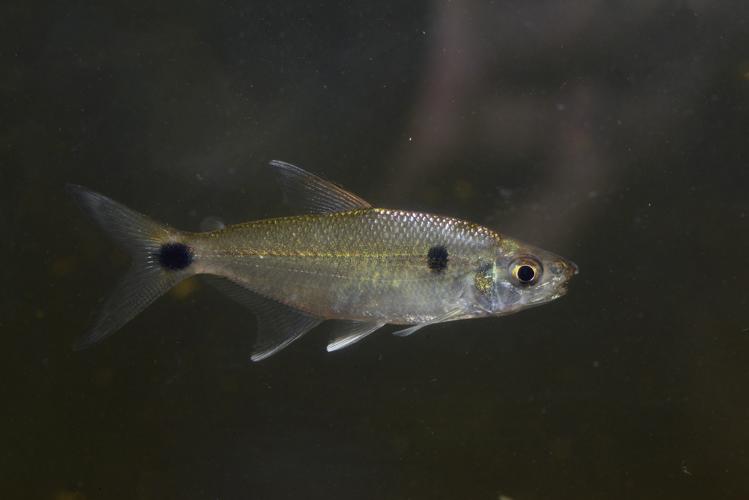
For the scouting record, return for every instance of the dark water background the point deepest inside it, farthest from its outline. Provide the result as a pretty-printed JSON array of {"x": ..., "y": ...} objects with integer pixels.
[{"x": 614, "y": 133}]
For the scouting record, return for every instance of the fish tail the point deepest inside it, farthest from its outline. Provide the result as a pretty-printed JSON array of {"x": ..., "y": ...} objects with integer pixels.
[{"x": 160, "y": 259}]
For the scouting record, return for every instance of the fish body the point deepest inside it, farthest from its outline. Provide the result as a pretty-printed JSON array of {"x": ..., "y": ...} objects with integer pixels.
[
  {"x": 365, "y": 264},
  {"x": 343, "y": 260}
]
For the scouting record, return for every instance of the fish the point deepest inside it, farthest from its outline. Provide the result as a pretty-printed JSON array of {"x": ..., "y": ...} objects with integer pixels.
[{"x": 340, "y": 259}]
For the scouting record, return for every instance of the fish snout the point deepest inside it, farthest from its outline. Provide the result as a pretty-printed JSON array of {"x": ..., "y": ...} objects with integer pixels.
[
  {"x": 566, "y": 269},
  {"x": 572, "y": 267}
]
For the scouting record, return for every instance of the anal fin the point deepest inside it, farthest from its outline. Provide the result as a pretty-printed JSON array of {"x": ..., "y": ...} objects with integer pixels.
[
  {"x": 346, "y": 333},
  {"x": 278, "y": 325}
]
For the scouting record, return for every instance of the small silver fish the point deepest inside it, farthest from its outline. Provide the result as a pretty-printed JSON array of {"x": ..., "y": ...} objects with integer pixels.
[{"x": 343, "y": 260}]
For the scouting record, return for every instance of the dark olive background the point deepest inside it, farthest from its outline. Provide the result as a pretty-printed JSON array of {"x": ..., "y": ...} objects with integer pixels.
[{"x": 613, "y": 133}]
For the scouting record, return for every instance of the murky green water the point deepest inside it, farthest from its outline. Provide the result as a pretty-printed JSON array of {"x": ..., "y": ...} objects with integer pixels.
[{"x": 613, "y": 133}]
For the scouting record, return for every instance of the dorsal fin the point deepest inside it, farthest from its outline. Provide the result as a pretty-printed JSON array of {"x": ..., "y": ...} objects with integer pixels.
[{"x": 312, "y": 194}]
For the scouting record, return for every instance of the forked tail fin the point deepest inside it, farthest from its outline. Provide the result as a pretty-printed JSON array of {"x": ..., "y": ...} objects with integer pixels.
[{"x": 160, "y": 260}]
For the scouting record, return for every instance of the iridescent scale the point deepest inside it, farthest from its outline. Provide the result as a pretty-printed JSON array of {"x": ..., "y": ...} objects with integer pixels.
[{"x": 365, "y": 264}]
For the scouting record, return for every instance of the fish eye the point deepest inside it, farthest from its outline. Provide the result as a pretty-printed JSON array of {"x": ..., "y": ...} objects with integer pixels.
[{"x": 526, "y": 271}]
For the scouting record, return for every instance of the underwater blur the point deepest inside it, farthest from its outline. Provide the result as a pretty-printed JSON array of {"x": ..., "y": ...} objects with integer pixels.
[{"x": 611, "y": 133}]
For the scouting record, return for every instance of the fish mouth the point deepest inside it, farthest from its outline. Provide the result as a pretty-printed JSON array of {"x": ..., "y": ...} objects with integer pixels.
[
  {"x": 559, "y": 291},
  {"x": 573, "y": 266},
  {"x": 562, "y": 281},
  {"x": 571, "y": 269},
  {"x": 561, "y": 287}
]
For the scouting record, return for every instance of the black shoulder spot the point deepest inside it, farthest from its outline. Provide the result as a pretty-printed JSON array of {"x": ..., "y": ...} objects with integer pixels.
[
  {"x": 174, "y": 256},
  {"x": 437, "y": 258}
]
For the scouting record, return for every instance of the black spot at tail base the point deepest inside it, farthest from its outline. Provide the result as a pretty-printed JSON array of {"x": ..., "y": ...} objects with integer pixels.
[
  {"x": 174, "y": 256},
  {"x": 437, "y": 258}
]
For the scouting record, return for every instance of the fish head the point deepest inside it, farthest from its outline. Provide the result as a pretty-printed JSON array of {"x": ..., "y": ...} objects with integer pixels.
[{"x": 520, "y": 276}]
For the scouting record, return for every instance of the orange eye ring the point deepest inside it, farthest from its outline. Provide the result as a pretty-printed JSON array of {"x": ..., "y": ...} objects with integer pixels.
[{"x": 526, "y": 271}]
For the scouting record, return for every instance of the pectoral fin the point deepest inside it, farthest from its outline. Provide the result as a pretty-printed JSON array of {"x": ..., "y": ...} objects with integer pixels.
[
  {"x": 408, "y": 331},
  {"x": 346, "y": 333},
  {"x": 278, "y": 325},
  {"x": 310, "y": 193},
  {"x": 451, "y": 315}
]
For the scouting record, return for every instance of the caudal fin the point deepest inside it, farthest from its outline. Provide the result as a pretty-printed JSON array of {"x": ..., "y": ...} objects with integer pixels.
[{"x": 160, "y": 260}]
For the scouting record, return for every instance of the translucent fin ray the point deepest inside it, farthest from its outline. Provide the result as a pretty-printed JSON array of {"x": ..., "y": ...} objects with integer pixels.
[
  {"x": 451, "y": 315},
  {"x": 410, "y": 330},
  {"x": 146, "y": 280},
  {"x": 136, "y": 291},
  {"x": 310, "y": 193},
  {"x": 131, "y": 229},
  {"x": 278, "y": 325},
  {"x": 346, "y": 333},
  {"x": 211, "y": 223}
]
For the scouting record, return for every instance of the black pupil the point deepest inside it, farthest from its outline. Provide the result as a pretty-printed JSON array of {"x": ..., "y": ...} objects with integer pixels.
[{"x": 526, "y": 274}]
